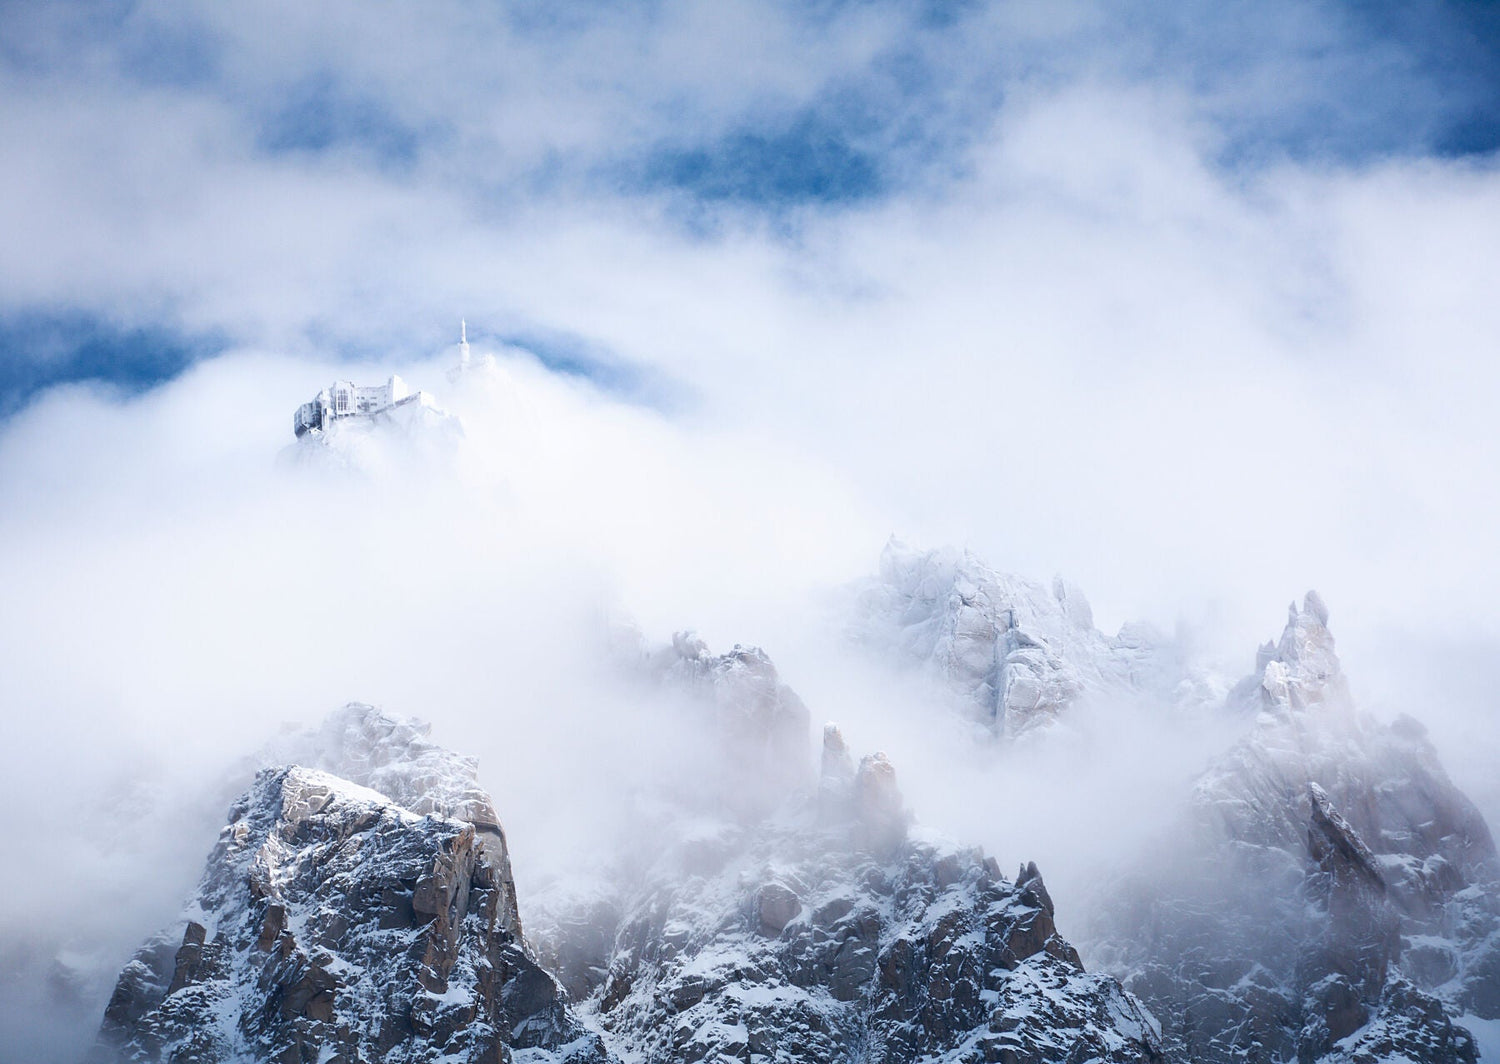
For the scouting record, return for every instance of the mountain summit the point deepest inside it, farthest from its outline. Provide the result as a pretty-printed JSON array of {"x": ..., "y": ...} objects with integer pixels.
[{"x": 339, "y": 923}]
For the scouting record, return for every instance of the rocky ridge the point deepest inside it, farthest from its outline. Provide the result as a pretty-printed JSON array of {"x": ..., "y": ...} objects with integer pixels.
[
  {"x": 821, "y": 929},
  {"x": 1328, "y": 893}
]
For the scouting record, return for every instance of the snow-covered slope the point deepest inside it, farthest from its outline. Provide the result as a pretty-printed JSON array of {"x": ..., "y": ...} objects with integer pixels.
[{"x": 335, "y": 922}]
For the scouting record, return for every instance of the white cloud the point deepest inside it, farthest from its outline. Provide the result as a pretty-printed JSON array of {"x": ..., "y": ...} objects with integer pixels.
[{"x": 1077, "y": 344}]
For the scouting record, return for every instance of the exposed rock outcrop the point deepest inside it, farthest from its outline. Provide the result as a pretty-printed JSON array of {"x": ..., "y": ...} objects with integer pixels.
[
  {"x": 808, "y": 925},
  {"x": 800, "y": 945},
  {"x": 336, "y": 923}
]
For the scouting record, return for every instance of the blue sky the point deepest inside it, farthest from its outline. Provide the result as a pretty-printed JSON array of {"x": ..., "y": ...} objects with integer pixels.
[{"x": 714, "y": 120}]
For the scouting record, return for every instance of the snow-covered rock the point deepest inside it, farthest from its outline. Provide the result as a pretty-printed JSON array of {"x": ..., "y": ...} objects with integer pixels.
[
  {"x": 1014, "y": 652},
  {"x": 791, "y": 943},
  {"x": 1329, "y": 893},
  {"x": 809, "y": 925},
  {"x": 338, "y": 923},
  {"x": 397, "y": 757}
]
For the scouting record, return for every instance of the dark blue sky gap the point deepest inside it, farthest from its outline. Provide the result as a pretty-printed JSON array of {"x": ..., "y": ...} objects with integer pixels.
[
  {"x": 806, "y": 161},
  {"x": 1358, "y": 81},
  {"x": 317, "y": 115},
  {"x": 41, "y": 349},
  {"x": 1353, "y": 81}
]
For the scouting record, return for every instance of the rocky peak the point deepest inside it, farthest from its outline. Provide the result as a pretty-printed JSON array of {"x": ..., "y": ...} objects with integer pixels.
[
  {"x": 837, "y": 766},
  {"x": 1302, "y": 670},
  {"x": 757, "y": 724},
  {"x": 865, "y": 802},
  {"x": 1029, "y": 879},
  {"x": 333, "y": 923},
  {"x": 835, "y": 776},
  {"x": 878, "y": 807},
  {"x": 396, "y": 757}
]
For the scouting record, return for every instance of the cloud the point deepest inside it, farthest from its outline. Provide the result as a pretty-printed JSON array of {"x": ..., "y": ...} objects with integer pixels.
[
  {"x": 184, "y": 593},
  {"x": 1191, "y": 306}
]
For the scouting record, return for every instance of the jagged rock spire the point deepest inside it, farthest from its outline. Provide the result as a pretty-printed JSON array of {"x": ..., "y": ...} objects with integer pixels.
[{"x": 1302, "y": 670}]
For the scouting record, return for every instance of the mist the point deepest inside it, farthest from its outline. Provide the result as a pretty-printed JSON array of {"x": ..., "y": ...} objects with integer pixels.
[{"x": 1088, "y": 293}]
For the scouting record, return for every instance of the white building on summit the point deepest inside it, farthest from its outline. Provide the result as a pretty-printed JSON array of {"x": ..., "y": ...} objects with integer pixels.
[{"x": 341, "y": 399}]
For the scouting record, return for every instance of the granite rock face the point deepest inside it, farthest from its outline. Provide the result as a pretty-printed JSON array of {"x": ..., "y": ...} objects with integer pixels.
[
  {"x": 396, "y": 757},
  {"x": 1331, "y": 895},
  {"x": 334, "y": 923},
  {"x": 794, "y": 946}
]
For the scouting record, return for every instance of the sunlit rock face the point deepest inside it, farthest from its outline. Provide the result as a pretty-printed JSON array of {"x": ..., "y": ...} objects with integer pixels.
[
  {"x": 815, "y": 927},
  {"x": 396, "y": 757},
  {"x": 337, "y": 923},
  {"x": 1332, "y": 896},
  {"x": 1014, "y": 653}
]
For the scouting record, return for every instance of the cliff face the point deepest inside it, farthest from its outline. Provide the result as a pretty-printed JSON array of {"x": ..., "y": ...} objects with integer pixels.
[
  {"x": 337, "y": 922},
  {"x": 1330, "y": 891},
  {"x": 334, "y": 923}
]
